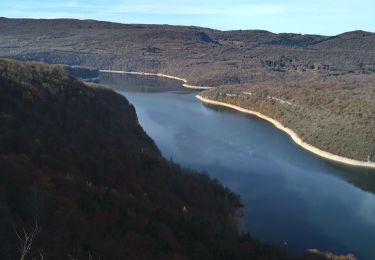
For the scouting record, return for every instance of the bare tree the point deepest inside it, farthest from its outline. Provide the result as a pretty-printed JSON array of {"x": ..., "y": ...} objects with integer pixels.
[{"x": 26, "y": 239}]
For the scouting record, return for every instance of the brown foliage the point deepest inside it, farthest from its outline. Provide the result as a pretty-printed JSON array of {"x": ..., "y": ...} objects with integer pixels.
[{"x": 75, "y": 158}]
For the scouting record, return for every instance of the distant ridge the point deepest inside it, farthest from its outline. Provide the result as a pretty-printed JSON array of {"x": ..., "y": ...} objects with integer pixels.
[{"x": 330, "y": 79}]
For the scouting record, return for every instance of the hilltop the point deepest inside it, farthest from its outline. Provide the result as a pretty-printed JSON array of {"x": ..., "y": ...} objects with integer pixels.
[{"x": 329, "y": 79}]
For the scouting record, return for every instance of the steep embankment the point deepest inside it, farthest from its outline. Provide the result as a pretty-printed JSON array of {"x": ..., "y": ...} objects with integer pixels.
[{"x": 78, "y": 172}]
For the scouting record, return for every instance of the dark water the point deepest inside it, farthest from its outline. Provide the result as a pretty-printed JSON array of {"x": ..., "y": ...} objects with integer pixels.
[{"x": 291, "y": 196}]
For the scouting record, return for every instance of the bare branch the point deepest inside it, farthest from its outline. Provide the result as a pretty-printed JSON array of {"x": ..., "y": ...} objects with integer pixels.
[{"x": 26, "y": 240}]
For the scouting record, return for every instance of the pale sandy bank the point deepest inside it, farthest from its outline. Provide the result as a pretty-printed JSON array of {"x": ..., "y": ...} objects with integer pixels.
[
  {"x": 293, "y": 135},
  {"x": 158, "y": 75}
]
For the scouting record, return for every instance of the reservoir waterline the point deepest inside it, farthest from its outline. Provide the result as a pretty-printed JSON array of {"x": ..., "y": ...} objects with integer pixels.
[
  {"x": 156, "y": 75},
  {"x": 290, "y": 132},
  {"x": 290, "y": 194},
  {"x": 293, "y": 135}
]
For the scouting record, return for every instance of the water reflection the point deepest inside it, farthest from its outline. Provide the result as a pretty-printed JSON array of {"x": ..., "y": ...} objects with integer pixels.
[
  {"x": 291, "y": 195},
  {"x": 137, "y": 83},
  {"x": 363, "y": 178}
]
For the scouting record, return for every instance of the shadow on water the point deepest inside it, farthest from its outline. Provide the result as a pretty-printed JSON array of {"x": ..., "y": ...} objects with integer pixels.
[
  {"x": 361, "y": 177},
  {"x": 302, "y": 236},
  {"x": 138, "y": 83},
  {"x": 290, "y": 195}
]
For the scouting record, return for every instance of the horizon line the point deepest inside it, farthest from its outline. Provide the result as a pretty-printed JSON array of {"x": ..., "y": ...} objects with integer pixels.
[{"x": 180, "y": 25}]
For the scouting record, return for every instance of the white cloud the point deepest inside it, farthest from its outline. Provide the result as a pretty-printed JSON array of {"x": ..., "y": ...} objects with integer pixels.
[{"x": 72, "y": 4}]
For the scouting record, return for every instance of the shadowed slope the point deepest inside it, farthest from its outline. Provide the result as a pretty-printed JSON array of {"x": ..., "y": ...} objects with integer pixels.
[{"x": 75, "y": 163}]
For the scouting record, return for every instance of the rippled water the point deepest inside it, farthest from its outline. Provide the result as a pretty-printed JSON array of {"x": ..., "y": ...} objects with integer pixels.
[{"x": 292, "y": 197}]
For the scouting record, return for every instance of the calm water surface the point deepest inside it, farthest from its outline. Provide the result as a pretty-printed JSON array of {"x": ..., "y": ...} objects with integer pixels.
[{"x": 291, "y": 196}]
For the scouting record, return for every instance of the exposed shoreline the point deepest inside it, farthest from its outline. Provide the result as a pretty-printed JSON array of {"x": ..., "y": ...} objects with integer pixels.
[
  {"x": 157, "y": 75},
  {"x": 277, "y": 124},
  {"x": 293, "y": 135}
]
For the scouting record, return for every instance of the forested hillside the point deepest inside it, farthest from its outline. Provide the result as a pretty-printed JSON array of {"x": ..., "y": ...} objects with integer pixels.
[
  {"x": 80, "y": 179},
  {"x": 329, "y": 79}
]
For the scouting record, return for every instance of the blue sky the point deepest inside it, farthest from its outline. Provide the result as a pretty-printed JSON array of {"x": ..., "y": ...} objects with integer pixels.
[{"x": 327, "y": 17}]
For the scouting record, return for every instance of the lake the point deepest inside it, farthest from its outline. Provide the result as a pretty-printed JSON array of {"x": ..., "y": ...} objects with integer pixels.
[{"x": 292, "y": 197}]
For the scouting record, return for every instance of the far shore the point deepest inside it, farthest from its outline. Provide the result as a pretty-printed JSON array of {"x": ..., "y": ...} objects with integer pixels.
[
  {"x": 157, "y": 75},
  {"x": 290, "y": 132},
  {"x": 293, "y": 135}
]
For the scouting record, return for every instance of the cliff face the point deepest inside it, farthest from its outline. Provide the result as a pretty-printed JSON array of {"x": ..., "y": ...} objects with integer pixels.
[{"x": 78, "y": 173}]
